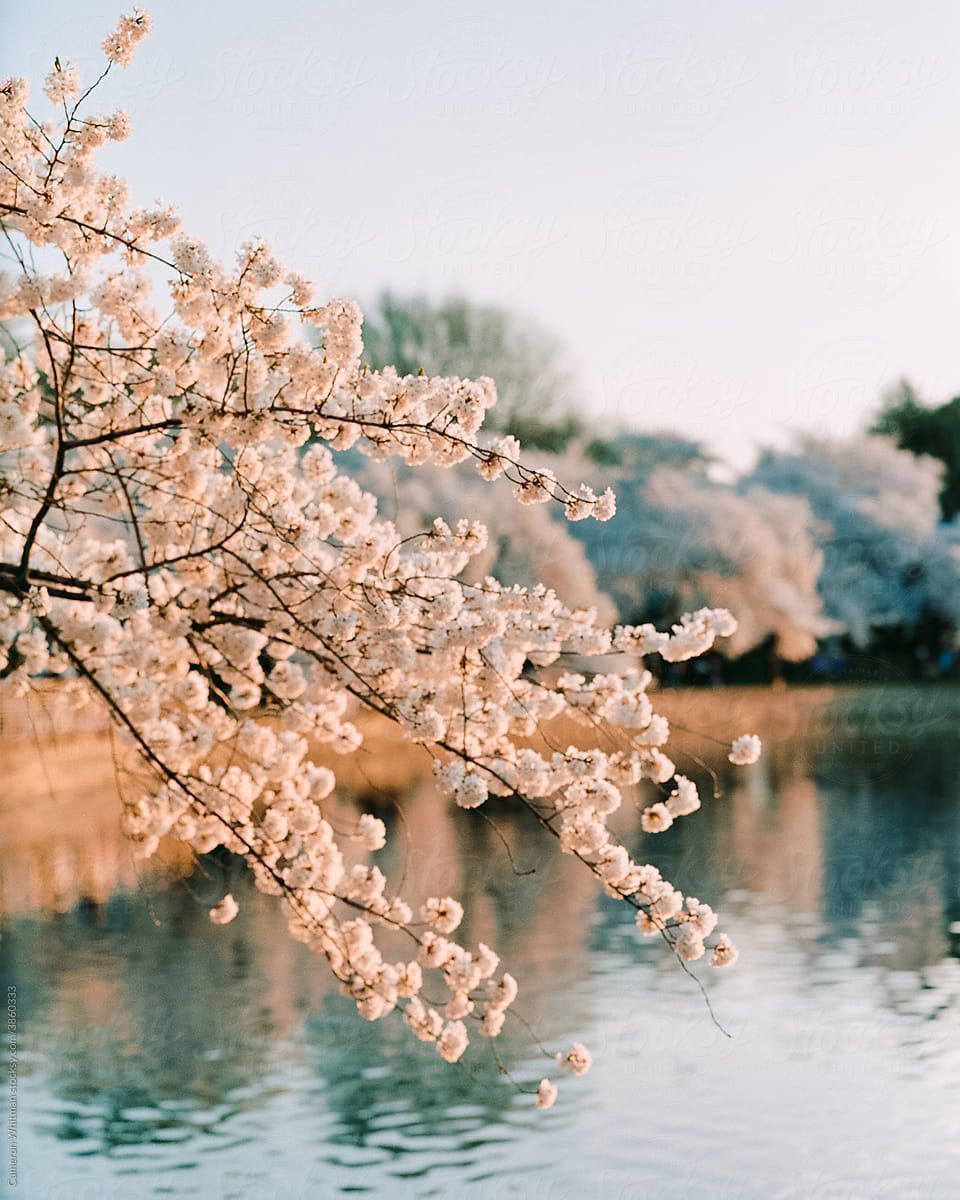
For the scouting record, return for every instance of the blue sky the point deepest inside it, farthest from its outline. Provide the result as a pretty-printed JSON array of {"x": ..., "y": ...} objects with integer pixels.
[{"x": 741, "y": 218}]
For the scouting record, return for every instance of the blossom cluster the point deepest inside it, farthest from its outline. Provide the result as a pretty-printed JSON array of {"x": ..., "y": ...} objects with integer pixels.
[{"x": 179, "y": 543}]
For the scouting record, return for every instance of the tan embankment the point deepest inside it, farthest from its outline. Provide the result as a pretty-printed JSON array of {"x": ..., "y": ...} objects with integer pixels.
[
  {"x": 46, "y": 747},
  {"x": 63, "y": 773}
]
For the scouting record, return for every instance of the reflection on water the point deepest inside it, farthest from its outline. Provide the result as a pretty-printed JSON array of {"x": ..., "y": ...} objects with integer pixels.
[{"x": 163, "y": 1057}]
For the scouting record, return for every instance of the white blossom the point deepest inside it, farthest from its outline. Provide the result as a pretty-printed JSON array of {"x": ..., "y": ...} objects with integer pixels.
[
  {"x": 546, "y": 1094},
  {"x": 689, "y": 943},
  {"x": 224, "y": 912},
  {"x": 63, "y": 83},
  {"x": 577, "y": 1060},
  {"x": 745, "y": 750},
  {"x": 120, "y": 45},
  {"x": 372, "y": 832},
  {"x": 443, "y": 914},
  {"x": 656, "y": 818},
  {"x": 452, "y": 1041},
  {"x": 724, "y": 952},
  {"x": 684, "y": 799}
]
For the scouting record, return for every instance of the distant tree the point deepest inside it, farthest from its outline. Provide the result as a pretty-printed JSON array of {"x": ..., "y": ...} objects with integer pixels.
[
  {"x": 680, "y": 537},
  {"x": 753, "y": 547},
  {"x": 926, "y": 429},
  {"x": 457, "y": 337},
  {"x": 888, "y": 561}
]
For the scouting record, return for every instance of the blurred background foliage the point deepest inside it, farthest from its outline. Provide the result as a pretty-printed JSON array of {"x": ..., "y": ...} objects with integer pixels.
[{"x": 841, "y": 558}]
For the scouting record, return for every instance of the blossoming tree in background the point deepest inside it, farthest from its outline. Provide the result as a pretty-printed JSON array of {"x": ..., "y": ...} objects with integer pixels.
[
  {"x": 888, "y": 560},
  {"x": 179, "y": 544}
]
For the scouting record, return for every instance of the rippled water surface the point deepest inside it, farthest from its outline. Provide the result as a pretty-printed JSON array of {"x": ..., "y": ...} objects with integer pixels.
[{"x": 160, "y": 1056}]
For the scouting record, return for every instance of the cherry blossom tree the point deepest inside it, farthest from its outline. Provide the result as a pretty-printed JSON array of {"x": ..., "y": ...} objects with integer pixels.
[
  {"x": 681, "y": 538},
  {"x": 887, "y": 559},
  {"x": 179, "y": 544},
  {"x": 753, "y": 551}
]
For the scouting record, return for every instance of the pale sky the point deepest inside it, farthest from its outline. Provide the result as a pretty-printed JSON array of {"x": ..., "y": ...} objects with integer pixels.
[{"x": 741, "y": 217}]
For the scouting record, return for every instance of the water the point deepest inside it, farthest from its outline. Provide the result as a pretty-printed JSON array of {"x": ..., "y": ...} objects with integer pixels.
[{"x": 160, "y": 1056}]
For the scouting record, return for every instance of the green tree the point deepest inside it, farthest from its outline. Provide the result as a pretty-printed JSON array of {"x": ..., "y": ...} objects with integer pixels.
[{"x": 926, "y": 429}]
